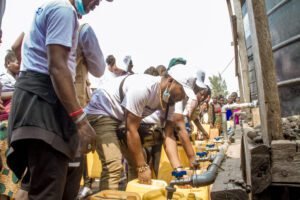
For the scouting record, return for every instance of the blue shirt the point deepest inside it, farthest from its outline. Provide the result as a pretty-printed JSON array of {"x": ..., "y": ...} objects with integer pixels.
[
  {"x": 55, "y": 22},
  {"x": 228, "y": 114}
]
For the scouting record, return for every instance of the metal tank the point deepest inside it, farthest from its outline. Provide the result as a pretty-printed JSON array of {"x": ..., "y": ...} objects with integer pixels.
[{"x": 284, "y": 25}]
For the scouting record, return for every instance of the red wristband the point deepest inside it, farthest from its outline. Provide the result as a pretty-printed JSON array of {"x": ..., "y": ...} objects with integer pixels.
[{"x": 75, "y": 113}]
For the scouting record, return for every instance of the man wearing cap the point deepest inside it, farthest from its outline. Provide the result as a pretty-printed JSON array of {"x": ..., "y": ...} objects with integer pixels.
[
  {"x": 47, "y": 125},
  {"x": 183, "y": 110},
  {"x": 128, "y": 100}
]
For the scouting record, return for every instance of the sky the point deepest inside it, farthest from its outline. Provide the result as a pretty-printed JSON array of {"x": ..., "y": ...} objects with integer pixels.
[{"x": 152, "y": 32}]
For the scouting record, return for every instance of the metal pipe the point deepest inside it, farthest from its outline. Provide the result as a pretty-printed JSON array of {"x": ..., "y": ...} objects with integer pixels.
[
  {"x": 286, "y": 42},
  {"x": 204, "y": 179},
  {"x": 223, "y": 148},
  {"x": 233, "y": 106},
  {"x": 280, "y": 4},
  {"x": 286, "y": 184},
  {"x": 288, "y": 82}
]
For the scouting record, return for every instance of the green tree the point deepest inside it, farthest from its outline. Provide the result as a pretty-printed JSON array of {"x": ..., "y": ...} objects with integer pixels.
[{"x": 218, "y": 85}]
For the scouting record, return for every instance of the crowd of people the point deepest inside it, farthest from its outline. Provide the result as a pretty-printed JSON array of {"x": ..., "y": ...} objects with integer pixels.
[
  {"x": 213, "y": 110},
  {"x": 51, "y": 118},
  {"x": 209, "y": 109}
]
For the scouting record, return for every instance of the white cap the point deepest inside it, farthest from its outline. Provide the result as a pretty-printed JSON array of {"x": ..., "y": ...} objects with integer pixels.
[
  {"x": 200, "y": 79},
  {"x": 123, "y": 62},
  {"x": 184, "y": 77}
]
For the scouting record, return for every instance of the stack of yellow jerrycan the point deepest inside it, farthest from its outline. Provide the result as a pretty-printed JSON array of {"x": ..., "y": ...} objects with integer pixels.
[
  {"x": 141, "y": 189},
  {"x": 157, "y": 191},
  {"x": 213, "y": 146},
  {"x": 202, "y": 154},
  {"x": 115, "y": 195}
]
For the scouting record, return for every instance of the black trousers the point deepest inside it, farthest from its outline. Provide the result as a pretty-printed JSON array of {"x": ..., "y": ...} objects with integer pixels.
[{"x": 49, "y": 176}]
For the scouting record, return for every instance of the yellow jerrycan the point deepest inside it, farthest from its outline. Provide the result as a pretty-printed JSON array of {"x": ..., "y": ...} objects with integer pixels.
[
  {"x": 193, "y": 193},
  {"x": 115, "y": 195},
  {"x": 161, "y": 194},
  {"x": 141, "y": 189}
]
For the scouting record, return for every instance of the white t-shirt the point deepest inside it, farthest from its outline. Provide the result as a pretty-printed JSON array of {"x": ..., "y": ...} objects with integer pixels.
[
  {"x": 107, "y": 77},
  {"x": 185, "y": 107},
  {"x": 141, "y": 97},
  {"x": 155, "y": 118},
  {"x": 55, "y": 22},
  {"x": 8, "y": 82},
  {"x": 180, "y": 106}
]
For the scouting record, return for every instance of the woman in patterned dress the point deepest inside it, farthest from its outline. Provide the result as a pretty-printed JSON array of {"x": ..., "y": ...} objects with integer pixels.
[{"x": 8, "y": 181}]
